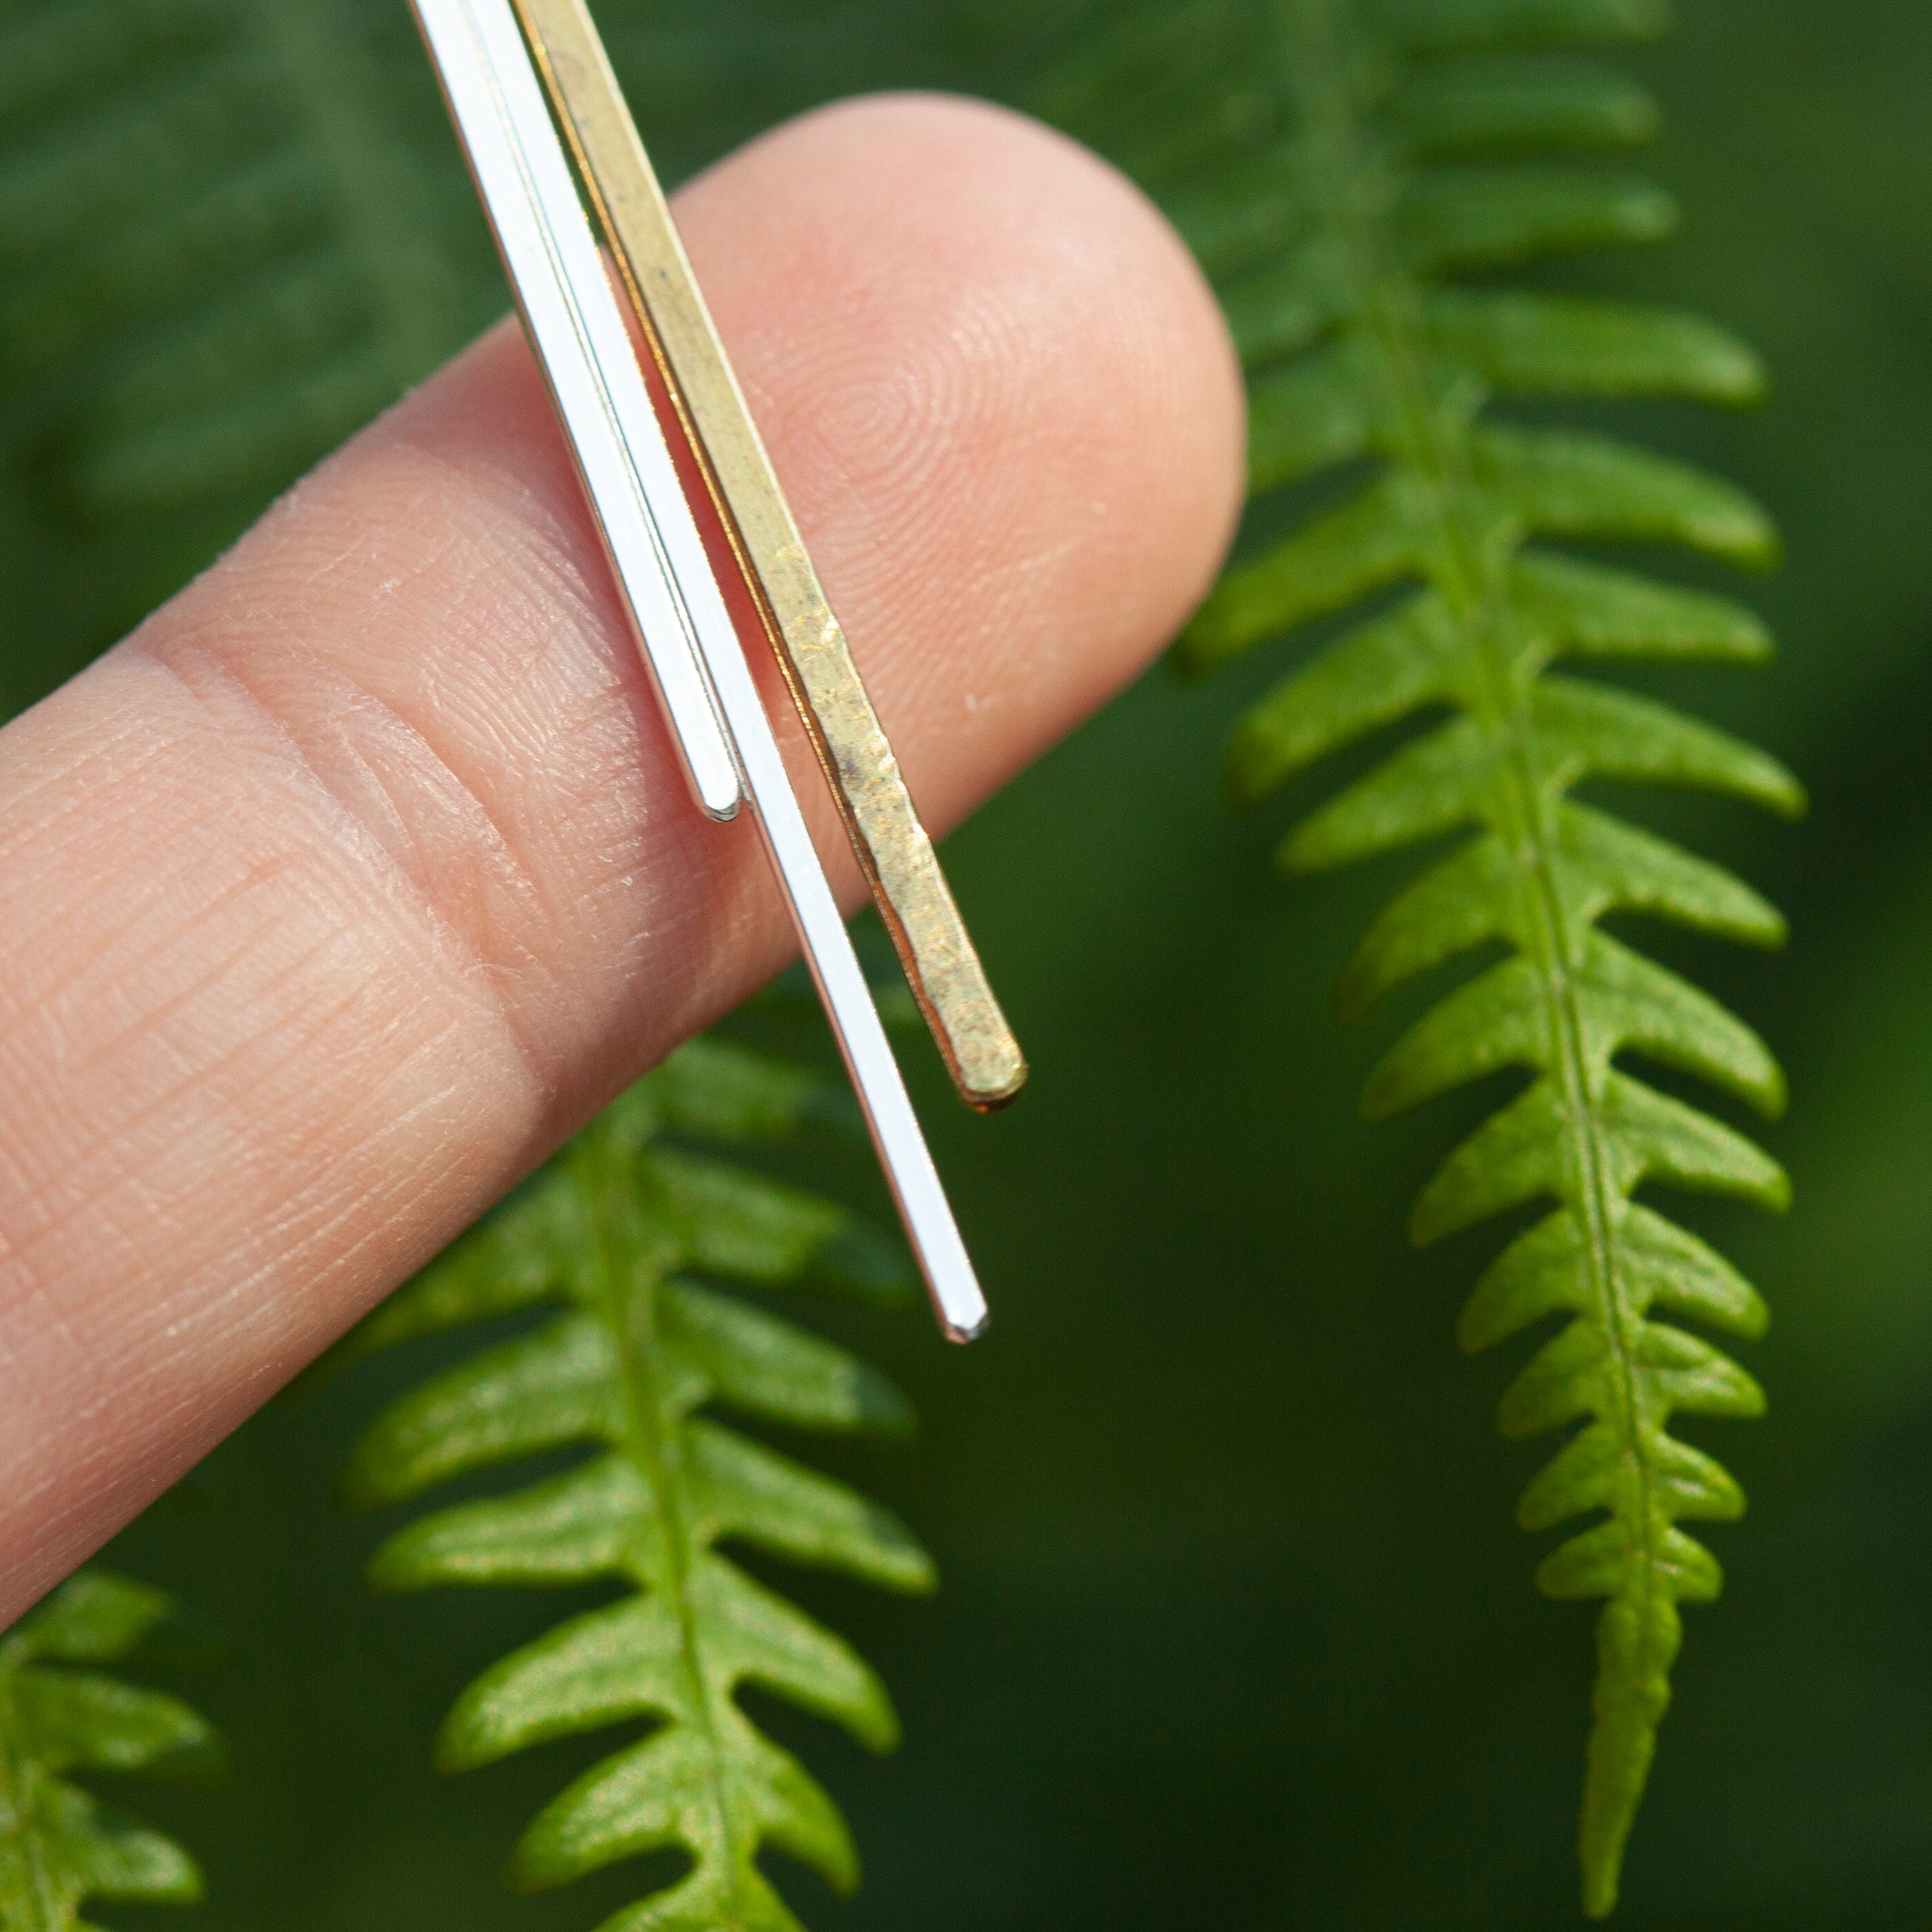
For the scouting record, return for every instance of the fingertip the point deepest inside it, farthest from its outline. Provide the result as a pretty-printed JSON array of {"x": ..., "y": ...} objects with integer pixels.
[{"x": 1002, "y": 398}]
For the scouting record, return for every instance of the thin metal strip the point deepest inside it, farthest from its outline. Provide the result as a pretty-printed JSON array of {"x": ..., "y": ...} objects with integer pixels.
[
  {"x": 658, "y": 555},
  {"x": 891, "y": 844},
  {"x": 553, "y": 262}
]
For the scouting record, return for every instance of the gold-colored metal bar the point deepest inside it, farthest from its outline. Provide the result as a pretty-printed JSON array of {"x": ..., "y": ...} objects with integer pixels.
[{"x": 891, "y": 846}]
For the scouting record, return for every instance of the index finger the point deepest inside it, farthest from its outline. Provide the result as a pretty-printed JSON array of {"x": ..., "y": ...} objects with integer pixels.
[{"x": 363, "y": 873}]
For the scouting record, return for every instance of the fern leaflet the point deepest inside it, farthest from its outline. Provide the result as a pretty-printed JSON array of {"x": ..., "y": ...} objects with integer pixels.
[
  {"x": 1379, "y": 150},
  {"x": 613, "y": 1234},
  {"x": 60, "y": 1713}
]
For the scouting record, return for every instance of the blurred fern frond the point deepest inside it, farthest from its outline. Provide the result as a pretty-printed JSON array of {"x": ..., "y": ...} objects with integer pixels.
[
  {"x": 1340, "y": 165},
  {"x": 60, "y": 1713},
  {"x": 619, "y": 1236},
  {"x": 232, "y": 231},
  {"x": 228, "y": 238}
]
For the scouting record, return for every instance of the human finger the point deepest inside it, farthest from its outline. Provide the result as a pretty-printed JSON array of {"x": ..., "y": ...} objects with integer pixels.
[{"x": 363, "y": 873}]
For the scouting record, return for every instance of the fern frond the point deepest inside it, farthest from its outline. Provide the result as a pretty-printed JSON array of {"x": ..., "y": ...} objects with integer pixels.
[
  {"x": 232, "y": 231},
  {"x": 60, "y": 1713},
  {"x": 1365, "y": 154},
  {"x": 236, "y": 219},
  {"x": 619, "y": 1236}
]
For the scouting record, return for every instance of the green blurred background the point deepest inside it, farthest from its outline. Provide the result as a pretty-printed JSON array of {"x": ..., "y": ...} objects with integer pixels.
[{"x": 1236, "y": 1628}]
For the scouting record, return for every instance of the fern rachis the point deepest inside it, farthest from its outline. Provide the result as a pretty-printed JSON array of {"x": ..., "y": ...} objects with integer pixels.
[
  {"x": 612, "y": 1235},
  {"x": 1407, "y": 141}
]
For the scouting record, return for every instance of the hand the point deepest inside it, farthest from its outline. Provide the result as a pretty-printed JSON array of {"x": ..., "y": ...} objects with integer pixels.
[{"x": 362, "y": 874}]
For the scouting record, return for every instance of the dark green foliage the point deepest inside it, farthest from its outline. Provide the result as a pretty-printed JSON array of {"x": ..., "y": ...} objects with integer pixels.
[
  {"x": 226, "y": 214},
  {"x": 232, "y": 231},
  {"x": 1346, "y": 157},
  {"x": 617, "y": 1236},
  {"x": 60, "y": 1713}
]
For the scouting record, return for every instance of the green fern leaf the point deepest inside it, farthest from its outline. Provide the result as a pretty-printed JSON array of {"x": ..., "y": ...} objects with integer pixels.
[
  {"x": 60, "y": 1713},
  {"x": 1382, "y": 146},
  {"x": 611, "y": 1236}
]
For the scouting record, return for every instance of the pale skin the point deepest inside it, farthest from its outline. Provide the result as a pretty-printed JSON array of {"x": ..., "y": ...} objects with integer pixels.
[{"x": 361, "y": 875}]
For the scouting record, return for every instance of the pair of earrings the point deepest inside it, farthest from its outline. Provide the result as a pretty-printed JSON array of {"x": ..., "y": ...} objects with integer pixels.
[{"x": 497, "y": 60}]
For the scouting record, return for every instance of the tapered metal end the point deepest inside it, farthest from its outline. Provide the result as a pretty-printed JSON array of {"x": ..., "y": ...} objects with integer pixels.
[{"x": 953, "y": 1332}]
